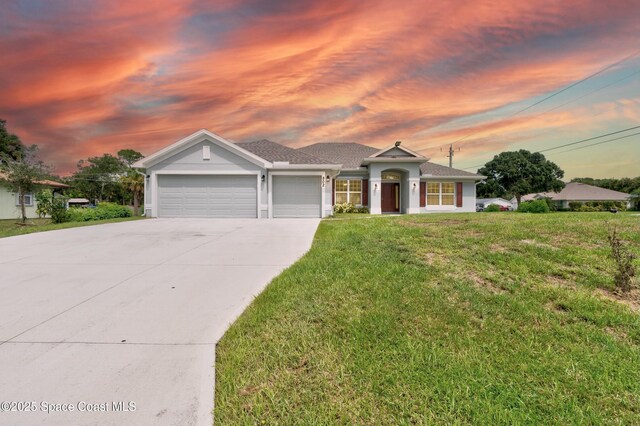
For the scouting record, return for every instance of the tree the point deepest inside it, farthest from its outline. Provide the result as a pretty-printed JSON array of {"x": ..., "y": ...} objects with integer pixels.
[
  {"x": 22, "y": 175},
  {"x": 98, "y": 177},
  {"x": 129, "y": 156},
  {"x": 134, "y": 183},
  {"x": 10, "y": 145},
  {"x": 520, "y": 173}
]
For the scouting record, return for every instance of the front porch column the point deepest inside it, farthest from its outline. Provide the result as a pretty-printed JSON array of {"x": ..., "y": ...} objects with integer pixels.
[
  {"x": 414, "y": 195},
  {"x": 375, "y": 191}
]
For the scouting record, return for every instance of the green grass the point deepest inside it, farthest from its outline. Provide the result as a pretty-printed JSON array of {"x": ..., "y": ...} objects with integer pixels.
[
  {"x": 495, "y": 318},
  {"x": 12, "y": 227}
]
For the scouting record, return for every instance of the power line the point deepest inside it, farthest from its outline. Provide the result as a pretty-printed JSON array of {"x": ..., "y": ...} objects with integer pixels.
[
  {"x": 577, "y": 142},
  {"x": 598, "y": 143},
  {"x": 590, "y": 139},
  {"x": 554, "y": 94}
]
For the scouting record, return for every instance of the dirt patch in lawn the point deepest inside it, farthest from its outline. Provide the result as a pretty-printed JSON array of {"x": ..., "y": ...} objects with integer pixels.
[
  {"x": 631, "y": 298},
  {"x": 538, "y": 244},
  {"x": 486, "y": 284}
]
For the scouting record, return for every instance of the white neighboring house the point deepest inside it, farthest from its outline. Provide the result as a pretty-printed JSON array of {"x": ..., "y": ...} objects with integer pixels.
[
  {"x": 486, "y": 202},
  {"x": 10, "y": 205},
  {"x": 205, "y": 175}
]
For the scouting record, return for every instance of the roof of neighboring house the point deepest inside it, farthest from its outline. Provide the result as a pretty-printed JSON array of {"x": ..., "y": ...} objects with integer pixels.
[
  {"x": 349, "y": 154},
  {"x": 575, "y": 191},
  {"x": 492, "y": 200},
  {"x": 437, "y": 170},
  {"x": 43, "y": 182},
  {"x": 537, "y": 195},
  {"x": 272, "y": 152}
]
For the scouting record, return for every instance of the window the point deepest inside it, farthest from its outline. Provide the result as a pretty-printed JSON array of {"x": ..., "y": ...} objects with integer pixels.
[
  {"x": 390, "y": 176},
  {"x": 349, "y": 191},
  {"x": 448, "y": 188},
  {"x": 433, "y": 194},
  {"x": 441, "y": 193},
  {"x": 28, "y": 199}
]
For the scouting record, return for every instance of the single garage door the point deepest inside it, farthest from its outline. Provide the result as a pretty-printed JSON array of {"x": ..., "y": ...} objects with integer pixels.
[
  {"x": 297, "y": 196},
  {"x": 207, "y": 196}
]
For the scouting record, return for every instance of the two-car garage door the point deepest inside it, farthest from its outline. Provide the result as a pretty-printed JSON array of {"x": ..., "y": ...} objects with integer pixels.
[
  {"x": 219, "y": 196},
  {"x": 207, "y": 196}
]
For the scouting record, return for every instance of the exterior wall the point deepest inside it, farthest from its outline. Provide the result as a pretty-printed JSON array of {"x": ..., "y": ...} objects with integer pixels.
[
  {"x": 190, "y": 161},
  {"x": 410, "y": 197},
  {"x": 468, "y": 198},
  {"x": 395, "y": 152},
  {"x": 8, "y": 208}
]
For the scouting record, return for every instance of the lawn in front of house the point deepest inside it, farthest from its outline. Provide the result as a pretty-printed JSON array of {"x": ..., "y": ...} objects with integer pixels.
[
  {"x": 12, "y": 227},
  {"x": 493, "y": 318}
]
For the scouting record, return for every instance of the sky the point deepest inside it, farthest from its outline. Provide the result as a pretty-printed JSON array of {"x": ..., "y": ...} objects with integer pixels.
[{"x": 81, "y": 78}]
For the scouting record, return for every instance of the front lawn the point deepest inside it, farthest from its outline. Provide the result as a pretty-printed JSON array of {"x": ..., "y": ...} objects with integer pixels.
[
  {"x": 487, "y": 318},
  {"x": 11, "y": 227}
]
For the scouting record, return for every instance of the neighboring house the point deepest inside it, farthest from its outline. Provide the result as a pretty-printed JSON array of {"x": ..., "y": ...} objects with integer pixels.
[
  {"x": 580, "y": 192},
  {"x": 10, "y": 205},
  {"x": 78, "y": 202},
  {"x": 486, "y": 202},
  {"x": 205, "y": 175}
]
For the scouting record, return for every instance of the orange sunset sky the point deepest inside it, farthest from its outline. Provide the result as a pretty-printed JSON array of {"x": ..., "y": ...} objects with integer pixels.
[{"x": 83, "y": 78}]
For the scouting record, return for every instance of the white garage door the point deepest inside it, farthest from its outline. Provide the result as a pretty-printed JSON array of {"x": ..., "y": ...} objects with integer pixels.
[
  {"x": 207, "y": 196},
  {"x": 297, "y": 196}
]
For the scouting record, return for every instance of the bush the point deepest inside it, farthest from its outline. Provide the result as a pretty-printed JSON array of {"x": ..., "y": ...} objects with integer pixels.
[
  {"x": 101, "y": 212},
  {"x": 597, "y": 206},
  {"x": 492, "y": 208},
  {"x": 625, "y": 271},
  {"x": 537, "y": 206},
  {"x": 52, "y": 206},
  {"x": 349, "y": 208}
]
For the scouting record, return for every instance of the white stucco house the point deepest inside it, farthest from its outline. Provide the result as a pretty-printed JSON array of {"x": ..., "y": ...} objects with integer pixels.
[
  {"x": 205, "y": 175},
  {"x": 10, "y": 203},
  {"x": 582, "y": 193}
]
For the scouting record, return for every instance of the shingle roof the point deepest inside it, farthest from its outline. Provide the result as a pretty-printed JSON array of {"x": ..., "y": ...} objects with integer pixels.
[
  {"x": 272, "y": 151},
  {"x": 350, "y": 154},
  {"x": 433, "y": 169},
  {"x": 43, "y": 182},
  {"x": 575, "y": 191}
]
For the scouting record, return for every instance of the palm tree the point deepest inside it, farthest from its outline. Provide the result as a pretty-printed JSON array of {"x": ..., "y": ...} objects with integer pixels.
[{"x": 133, "y": 182}]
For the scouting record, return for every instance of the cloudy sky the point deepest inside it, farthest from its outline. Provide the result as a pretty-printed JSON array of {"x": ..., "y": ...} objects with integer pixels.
[{"x": 87, "y": 77}]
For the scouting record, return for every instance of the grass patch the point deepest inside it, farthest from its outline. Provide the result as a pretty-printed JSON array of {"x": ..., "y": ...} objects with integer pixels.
[
  {"x": 12, "y": 227},
  {"x": 446, "y": 319}
]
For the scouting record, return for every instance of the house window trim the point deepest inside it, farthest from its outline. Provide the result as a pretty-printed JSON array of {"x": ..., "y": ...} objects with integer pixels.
[
  {"x": 440, "y": 194},
  {"x": 348, "y": 191},
  {"x": 29, "y": 204}
]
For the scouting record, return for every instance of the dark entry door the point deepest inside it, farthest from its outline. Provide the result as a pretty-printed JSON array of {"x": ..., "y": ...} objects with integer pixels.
[{"x": 390, "y": 197}]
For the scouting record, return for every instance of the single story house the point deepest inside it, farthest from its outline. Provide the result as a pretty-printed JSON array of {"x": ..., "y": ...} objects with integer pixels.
[
  {"x": 486, "y": 202},
  {"x": 580, "y": 192},
  {"x": 10, "y": 204},
  {"x": 205, "y": 175}
]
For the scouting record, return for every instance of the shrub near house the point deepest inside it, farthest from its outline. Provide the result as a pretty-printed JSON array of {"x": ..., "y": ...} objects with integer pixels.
[
  {"x": 102, "y": 211},
  {"x": 537, "y": 206}
]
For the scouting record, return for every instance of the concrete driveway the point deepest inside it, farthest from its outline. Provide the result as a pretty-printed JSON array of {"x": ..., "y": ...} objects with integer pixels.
[{"x": 126, "y": 316}]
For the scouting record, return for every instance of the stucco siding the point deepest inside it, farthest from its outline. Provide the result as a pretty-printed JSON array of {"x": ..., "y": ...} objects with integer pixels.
[
  {"x": 192, "y": 159},
  {"x": 8, "y": 208}
]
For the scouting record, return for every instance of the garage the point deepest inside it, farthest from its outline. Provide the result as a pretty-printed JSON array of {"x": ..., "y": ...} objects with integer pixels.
[
  {"x": 297, "y": 196},
  {"x": 215, "y": 196}
]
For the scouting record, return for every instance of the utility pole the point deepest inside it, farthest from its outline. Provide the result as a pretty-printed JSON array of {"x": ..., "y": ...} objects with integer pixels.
[{"x": 451, "y": 152}]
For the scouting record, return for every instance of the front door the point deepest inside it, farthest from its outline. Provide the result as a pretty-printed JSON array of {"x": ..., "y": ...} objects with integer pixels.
[{"x": 390, "y": 197}]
